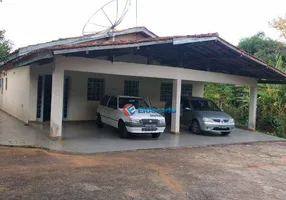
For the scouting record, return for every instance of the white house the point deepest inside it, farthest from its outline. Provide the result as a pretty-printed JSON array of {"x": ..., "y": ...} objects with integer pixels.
[{"x": 66, "y": 78}]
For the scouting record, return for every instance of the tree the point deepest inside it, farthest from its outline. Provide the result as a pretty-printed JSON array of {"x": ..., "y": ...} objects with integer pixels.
[
  {"x": 264, "y": 48},
  {"x": 5, "y": 46},
  {"x": 271, "y": 111},
  {"x": 271, "y": 115},
  {"x": 279, "y": 24}
]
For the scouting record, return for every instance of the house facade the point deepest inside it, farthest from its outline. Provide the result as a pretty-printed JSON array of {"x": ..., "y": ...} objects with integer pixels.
[{"x": 64, "y": 80}]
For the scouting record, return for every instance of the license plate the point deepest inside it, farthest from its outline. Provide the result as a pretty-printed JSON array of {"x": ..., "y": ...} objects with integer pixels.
[{"x": 150, "y": 126}]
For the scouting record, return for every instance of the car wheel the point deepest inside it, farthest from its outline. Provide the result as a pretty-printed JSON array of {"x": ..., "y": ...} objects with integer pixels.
[
  {"x": 155, "y": 135},
  {"x": 195, "y": 127},
  {"x": 122, "y": 130},
  {"x": 98, "y": 121},
  {"x": 225, "y": 133}
]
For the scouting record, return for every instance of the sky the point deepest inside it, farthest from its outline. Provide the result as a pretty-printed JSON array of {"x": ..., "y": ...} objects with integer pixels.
[{"x": 34, "y": 21}]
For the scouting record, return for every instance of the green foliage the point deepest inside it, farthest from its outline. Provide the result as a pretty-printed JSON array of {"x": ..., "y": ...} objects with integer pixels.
[
  {"x": 264, "y": 48},
  {"x": 271, "y": 105},
  {"x": 5, "y": 46}
]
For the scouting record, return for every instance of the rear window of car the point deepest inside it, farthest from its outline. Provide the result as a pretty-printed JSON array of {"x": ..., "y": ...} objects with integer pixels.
[
  {"x": 204, "y": 105},
  {"x": 136, "y": 102}
]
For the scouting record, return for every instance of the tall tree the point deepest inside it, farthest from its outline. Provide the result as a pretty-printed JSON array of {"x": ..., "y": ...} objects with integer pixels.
[
  {"x": 5, "y": 46},
  {"x": 264, "y": 48},
  {"x": 280, "y": 24}
]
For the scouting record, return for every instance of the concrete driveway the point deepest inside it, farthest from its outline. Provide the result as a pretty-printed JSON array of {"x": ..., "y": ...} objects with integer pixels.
[
  {"x": 85, "y": 137},
  {"x": 231, "y": 172}
]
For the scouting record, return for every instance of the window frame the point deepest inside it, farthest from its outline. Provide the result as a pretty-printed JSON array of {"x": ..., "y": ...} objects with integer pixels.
[
  {"x": 163, "y": 97},
  {"x": 128, "y": 90},
  {"x": 185, "y": 88},
  {"x": 97, "y": 88}
]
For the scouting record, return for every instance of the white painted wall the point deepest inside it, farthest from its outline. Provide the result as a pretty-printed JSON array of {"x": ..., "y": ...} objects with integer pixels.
[
  {"x": 21, "y": 96},
  {"x": 151, "y": 71},
  {"x": 81, "y": 109},
  {"x": 15, "y": 100}
]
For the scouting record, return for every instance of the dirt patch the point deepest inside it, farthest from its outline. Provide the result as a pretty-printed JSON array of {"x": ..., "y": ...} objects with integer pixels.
[{"x": 256, "y": 171}]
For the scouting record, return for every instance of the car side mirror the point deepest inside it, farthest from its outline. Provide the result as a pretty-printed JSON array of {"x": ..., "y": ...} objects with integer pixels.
[{"x": 187, "y": 108}]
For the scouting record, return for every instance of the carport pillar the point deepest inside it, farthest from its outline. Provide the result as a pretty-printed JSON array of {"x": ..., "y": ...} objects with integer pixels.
[
  {"x": 198, "y": 89},
  {"x": 57, "y": 104},
  {"x": 252, "y": 108},
  {"x": 176, "y": 103}
]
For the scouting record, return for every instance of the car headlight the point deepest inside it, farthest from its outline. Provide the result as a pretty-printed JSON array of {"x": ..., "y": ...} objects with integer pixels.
[
  {"x": 162, "y": 121},
  {"x": 205, "y": 119},
  {"x": 136, "y": 121},
  {"x": 231, "y": 120}
]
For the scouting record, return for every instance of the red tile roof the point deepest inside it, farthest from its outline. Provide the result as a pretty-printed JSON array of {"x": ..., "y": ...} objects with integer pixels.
[{"x": 121, "y": 42}]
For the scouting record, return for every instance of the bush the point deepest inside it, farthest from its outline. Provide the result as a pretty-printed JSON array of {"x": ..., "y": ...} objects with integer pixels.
[
  {"x": 238, "y": 115},
  {"x": 274, "y": 124}
]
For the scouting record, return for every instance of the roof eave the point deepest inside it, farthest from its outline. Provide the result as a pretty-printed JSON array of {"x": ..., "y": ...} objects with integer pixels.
[{"x": 105, "y": 47}]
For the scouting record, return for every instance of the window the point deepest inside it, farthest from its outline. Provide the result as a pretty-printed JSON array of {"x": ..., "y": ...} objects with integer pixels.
[
  {"x": 187, "y": 90},
  {"x": 166, "y": 91},
  {"x": 131, "y": 88},
  {"x": 112, "y": 102},
  {"x": 104, "y": 100},
  {"x": 6, "y": 83},
  {"x": 95, "y": 89}
]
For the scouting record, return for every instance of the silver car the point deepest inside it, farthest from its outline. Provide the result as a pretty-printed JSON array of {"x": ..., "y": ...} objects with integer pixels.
[{"x": 203, "y": 115}]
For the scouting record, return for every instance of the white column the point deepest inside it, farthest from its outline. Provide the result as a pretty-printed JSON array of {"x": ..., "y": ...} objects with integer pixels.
[
  {"x": 198, "y": 89},
  {"x": 252, "y": 108},
  {"x": 57, "y": 104},
  {"x": 176, "y": 103}
]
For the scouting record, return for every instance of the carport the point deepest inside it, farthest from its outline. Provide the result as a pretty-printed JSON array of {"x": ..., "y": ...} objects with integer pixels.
[{"x": 196, "y": 59}]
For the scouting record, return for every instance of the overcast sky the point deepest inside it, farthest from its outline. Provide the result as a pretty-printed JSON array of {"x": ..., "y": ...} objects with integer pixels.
[{"x": 33, "y": 21}]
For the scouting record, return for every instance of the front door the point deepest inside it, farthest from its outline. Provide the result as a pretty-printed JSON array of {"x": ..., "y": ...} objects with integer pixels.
[
  {"x": 44, "y": 97},
  {"x": 47, "y": 98},
  {"x": 66, "y": 97}
]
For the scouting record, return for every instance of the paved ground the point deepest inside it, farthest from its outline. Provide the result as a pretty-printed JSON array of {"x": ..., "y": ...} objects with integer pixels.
[
  {"x": 86, "y": 138},
  {"x": 256, "y": 171}
]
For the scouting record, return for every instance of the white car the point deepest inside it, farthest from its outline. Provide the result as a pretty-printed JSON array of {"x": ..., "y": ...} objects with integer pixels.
[{"x": 130, "y": 115}]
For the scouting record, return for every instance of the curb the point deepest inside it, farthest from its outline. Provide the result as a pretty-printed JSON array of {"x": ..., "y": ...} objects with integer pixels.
[{"x": 133, "y": 150}]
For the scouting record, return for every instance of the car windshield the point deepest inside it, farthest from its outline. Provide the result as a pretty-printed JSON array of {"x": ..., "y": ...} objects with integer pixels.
[
  {"x": 136, "y": 102},
  {"x": 204, "y": 105}
]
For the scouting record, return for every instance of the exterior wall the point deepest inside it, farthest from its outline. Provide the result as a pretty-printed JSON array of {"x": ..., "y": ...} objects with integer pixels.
[
  {"x": 79, "y": 108},
  {"x": 150, "y": 78},
  {"x": 15, "y": 100},
  {"x": 152, "y": 71},
  {"x": 80, "y": 69}
]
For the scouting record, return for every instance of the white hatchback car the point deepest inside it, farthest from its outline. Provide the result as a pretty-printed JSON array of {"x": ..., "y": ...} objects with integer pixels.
[{"x": 127, "y": 113}]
